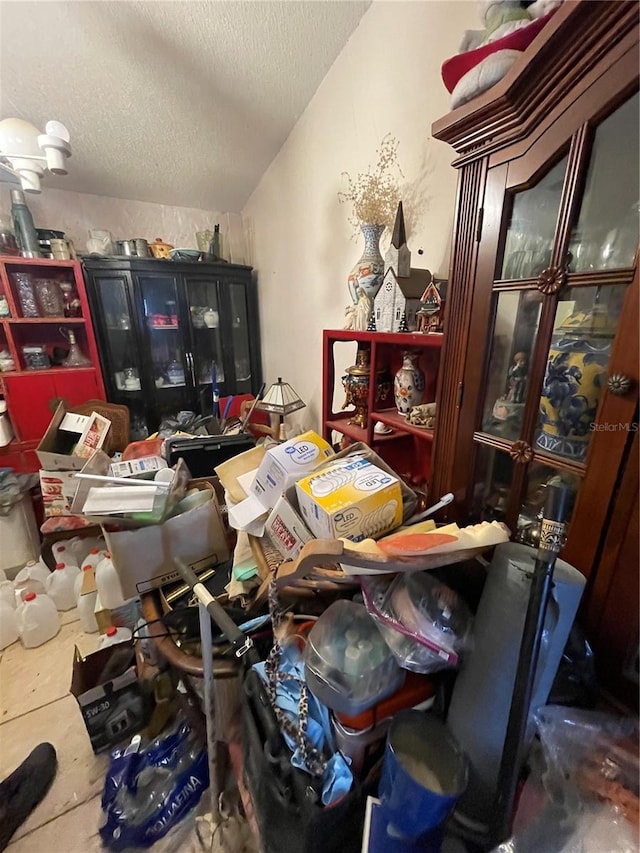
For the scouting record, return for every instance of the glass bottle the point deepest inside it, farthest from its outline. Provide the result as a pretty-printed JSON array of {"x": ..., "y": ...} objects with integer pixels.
[
  {"x": 76, "y": 357},
  {"x": 25, "y": 230},
  {"x": 8, "y": 245}
]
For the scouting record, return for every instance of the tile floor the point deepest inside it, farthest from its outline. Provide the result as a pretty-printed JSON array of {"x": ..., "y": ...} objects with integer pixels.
[{"x": 35, "y": 705}]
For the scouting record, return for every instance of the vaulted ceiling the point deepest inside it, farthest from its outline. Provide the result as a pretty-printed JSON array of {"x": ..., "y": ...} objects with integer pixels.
[{"x": 181, "y": 103}]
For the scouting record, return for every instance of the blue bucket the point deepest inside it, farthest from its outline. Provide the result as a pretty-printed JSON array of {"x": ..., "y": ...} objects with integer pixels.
[{"x": 423, "y": 775}]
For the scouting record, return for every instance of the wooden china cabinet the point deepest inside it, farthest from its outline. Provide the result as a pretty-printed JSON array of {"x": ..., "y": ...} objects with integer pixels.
[{"x": 539, "y": 374}]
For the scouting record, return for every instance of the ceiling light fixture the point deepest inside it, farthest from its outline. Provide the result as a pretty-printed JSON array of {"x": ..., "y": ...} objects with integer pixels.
[{"x": 26, "y": 154}]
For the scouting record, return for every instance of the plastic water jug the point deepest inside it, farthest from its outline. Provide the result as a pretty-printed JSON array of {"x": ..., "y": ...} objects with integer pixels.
[
  {"x": 114, "y": 635},
  {"x": 86, "y": 607},
  {"x": 3, "y": 576},
  {"x": 8, "y": 625},
  {"x": 60, "y": 586},
  {"x": 7, "y": 593},
  {"x": 63, "y": 553},
  {"x": 92, "y": 559},
  {"x": 108, "y": 584},
  {"x": 32, "y": 578},
  {"x": 81, "y": 547},
  {"x": 38, "y": 620}
]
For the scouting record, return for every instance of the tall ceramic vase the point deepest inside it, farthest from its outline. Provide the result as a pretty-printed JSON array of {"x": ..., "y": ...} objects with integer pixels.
[
  {"x": 575, "y": 378},
  {"x": 369, "y": 271},
  {"x": 408, "y": 384}
]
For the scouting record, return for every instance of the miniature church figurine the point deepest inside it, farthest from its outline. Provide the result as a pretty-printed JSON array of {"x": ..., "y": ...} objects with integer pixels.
[
  {"x": 398, "y": 257},
  {"x": 401, "y": 285}
]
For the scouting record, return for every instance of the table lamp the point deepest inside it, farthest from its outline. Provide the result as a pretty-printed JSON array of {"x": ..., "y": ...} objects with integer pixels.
[{"x": 280, "y": 400}]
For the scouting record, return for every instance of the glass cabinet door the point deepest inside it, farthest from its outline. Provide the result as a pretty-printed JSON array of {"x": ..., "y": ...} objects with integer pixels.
[
  {"x": 205, "y": 319},
  {"x": 240, "y": 336},
  {"x": 549, "y": 356},
  {"x": 168, "y": 367},
  {"x": 121, "y": 351}
]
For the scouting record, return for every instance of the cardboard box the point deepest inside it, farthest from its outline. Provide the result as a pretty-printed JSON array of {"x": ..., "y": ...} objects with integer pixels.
[
  {"x": 63, "y": 433},
  {"x": 284, "y": 464},
  {"x": 144, "y": 558},
  {"x": 350, "y": 499},
  {"x": 106, "y": 687},
  {"x": 58, "y": 491},
  {"x": 278, "y": 470},
  {"x": 286, "y": 530}
]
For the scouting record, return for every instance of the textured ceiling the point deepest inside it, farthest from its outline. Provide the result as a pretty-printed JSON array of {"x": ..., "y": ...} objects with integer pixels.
[{"x": 182, "y": 103}]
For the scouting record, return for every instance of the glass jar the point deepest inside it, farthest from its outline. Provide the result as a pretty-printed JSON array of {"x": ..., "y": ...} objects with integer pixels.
[
  {"x": 35, "y": 357},
  {"x": 49, "y": 297},
  {"x": 8, "y": 244},
  {"x": 26, "y": 294}
]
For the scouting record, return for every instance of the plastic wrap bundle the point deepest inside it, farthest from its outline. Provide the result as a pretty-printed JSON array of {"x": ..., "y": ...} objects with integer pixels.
[
  {"x": 482, "y": 694},
  {"x": 424, "y": 623}
]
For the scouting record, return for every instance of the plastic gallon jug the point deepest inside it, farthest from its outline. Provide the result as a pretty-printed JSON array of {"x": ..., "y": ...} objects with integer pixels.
[
  {"x": 38, "y": 620},
  {"x": 63, "y": 553},
  {"x": 7, "y": 594},
  {"x": 3, "y": 576},
  {"x": 114, "y": 635},
  {"x": 60, "y": 586},
  {"x": 8, "y": 625},
  {"x": 92, "y": 559},
  {"x": 82, "y": 547},
  {"x": 32, "y": 578},
  {"x": 108, "y": 583}
]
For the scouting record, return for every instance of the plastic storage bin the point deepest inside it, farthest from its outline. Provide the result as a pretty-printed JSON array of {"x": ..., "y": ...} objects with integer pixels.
[{"x": 348, "y": 666}]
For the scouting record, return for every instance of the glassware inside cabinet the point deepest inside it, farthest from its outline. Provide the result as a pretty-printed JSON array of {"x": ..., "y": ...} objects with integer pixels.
[
  {"x": 517, "y": 316},
  {"x": 576, "y": 374},
  {"x": 532, "y": 226},
  {"x": 605, "y": 235}
]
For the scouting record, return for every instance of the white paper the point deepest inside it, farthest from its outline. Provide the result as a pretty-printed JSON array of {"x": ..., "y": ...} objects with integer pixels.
[
  {"x": 249, "y": 515},
  {"x": 74, "y": 423},
  {"x": 119, "y": 499}
]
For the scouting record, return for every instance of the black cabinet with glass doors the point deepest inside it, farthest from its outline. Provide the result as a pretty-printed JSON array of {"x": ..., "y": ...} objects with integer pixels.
[{"x": 167, "y": 331}]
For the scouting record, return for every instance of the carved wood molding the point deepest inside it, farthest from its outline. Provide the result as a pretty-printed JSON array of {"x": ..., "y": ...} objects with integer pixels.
[{"x": 569, "y": 46}]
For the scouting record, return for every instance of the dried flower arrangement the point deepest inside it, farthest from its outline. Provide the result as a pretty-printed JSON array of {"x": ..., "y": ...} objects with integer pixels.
[{"x": 374, "y": 194}]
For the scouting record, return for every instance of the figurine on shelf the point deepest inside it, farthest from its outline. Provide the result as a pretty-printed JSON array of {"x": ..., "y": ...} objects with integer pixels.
[
  {"x": 517, "y": 379},
  {"x": 357, "y": 316},
  {"x": 510, "y": 404}
]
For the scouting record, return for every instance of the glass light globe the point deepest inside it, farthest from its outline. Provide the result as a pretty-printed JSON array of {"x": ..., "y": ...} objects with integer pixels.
[{"x": 17, "y": 137}]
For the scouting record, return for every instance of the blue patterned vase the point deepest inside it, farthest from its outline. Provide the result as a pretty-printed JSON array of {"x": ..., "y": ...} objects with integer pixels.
[
  {"x": 408, "y": 384},
  {"x": 369, "y": 271}
]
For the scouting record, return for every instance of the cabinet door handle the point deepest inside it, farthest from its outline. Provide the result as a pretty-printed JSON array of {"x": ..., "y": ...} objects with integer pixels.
[
  {"x": 619, "y": 384},
  {"x": 191, "y": 368}
]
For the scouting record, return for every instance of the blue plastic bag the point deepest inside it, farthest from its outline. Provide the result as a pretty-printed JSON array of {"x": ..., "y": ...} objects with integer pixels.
[{"x": 148, "y": 791}]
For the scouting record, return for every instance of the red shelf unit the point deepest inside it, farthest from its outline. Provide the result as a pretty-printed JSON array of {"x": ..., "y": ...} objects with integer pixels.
[
  {"x": 30, "y": 394},
  {"x": 408, "y": 448}
]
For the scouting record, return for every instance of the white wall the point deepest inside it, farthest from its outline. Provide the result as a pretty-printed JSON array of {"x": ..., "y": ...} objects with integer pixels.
[
  {"x": 387, "y": 79},
  {"x": 76, "y": 213}
]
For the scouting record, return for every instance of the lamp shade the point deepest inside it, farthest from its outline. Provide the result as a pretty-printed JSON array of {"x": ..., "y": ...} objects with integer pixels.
[{"x": 281, "y": 399}]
